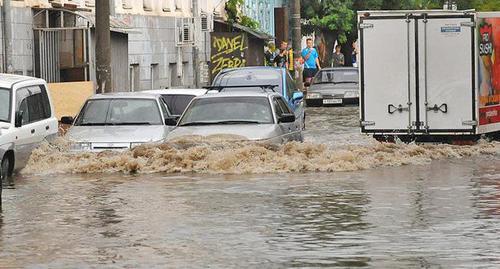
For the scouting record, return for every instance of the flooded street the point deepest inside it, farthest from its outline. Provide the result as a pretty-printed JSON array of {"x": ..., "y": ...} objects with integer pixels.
[{"x": 402, "y": 206}]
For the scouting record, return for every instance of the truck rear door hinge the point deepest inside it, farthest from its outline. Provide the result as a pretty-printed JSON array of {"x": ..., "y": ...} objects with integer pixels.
[
  {"x": 469, "y": 123},
  {"x": 468, "y": 24},
  {"x": 365, "y": 25}
]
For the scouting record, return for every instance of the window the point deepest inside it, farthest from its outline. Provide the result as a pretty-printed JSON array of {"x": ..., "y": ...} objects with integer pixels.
[
  {"x": 290, "y": 86},
  {"x": 177, "y": 103},
  {"x": 147, "y": 5},
  {"x": 281, "y": 107},
  {"x": 155, "y": 76},
  {"x": 135, "y": 77},
  {"x": 164, "y": 109},
  {"x": 166, "y": 5},
  {"x": 178, "y": 5},
  {"x": 127, "y": 4},
  {"x": 5, "y": 105},
  {"x": 34, "y": 104},
  {"x": 220, "y": 110},
  {"x": 120, "y": 112}
]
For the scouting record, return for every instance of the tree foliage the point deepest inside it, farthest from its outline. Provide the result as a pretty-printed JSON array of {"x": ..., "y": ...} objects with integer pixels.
[
  {"x": 336, "y": 19},
  {"x": 234, "y": 14}
]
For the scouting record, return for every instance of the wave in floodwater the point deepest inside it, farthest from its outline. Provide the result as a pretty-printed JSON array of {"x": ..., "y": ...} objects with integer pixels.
[{"x": 231, "y": 155}]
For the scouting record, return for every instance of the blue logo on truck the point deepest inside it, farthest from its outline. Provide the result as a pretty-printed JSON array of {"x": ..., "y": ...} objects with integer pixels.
[{"x": 451, "y": 29}]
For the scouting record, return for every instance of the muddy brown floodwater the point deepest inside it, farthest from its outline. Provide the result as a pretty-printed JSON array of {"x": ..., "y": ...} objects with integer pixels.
[{"x": 339, "y": 200}]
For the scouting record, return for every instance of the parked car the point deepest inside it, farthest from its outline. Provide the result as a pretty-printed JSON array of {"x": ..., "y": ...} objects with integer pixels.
[
  {"x": 26, "y": 119},
  {"x": 119, "y": 121},
  {"x": 334, "y": 86},
  {"x": 279, "y": 78},
  {"x": 257, "y": 116},
  {"x": 178, "y": 99}
]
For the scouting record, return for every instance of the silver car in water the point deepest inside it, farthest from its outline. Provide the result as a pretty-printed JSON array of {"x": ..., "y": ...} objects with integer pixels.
[
  {"x": 257, "y": 116},
  {"x": 119, "y": 121}
]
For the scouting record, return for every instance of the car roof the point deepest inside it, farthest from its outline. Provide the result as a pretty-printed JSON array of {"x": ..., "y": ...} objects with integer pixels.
[
  {"x": 254, "y": 68},
  {"x": 8, "y": 80},
  {"x": 339, "y": 68},
  {"x": 196, "y": 92},
  {"x": 125, "y": 95},
  {"x": 239, "y": 94}
]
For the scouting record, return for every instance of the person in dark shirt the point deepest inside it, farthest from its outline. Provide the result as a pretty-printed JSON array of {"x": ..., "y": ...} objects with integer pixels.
[
  {"x": 281, "y": 60},
  {"x": 338, "y": 57}
]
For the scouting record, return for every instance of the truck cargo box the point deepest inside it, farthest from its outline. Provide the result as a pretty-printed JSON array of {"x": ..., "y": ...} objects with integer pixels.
[{"x": 429, "y": 73}]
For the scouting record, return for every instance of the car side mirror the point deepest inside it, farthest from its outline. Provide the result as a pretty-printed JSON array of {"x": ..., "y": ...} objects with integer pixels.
[
  {"x": 171, "y": 121},
  {"x": 286, "y": 118},
  {"x": 19, "y": 119},
  {"x": 297, "y": 96}
]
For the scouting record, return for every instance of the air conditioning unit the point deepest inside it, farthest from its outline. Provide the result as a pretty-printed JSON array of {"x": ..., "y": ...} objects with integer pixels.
[
  {"x": 207, "y": 22},
  {"x": 185, "y": 31}
]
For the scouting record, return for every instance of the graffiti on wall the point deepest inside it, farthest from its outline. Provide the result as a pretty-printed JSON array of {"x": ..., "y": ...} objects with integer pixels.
[{"x": 228, "y": 50}]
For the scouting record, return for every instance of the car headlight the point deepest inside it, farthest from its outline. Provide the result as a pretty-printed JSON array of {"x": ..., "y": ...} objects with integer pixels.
[
  {"x": 350, "y": 94},
  {"x": 81, "y": 146},
  {"x": 313, "y": 95},
  {"x": 135, "y": 144}
]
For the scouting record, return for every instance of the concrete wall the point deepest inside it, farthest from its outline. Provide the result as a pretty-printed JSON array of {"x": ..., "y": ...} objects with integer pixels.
[
  {"x": 151, "y": 41},
  {"x": 22, "y": 43}
]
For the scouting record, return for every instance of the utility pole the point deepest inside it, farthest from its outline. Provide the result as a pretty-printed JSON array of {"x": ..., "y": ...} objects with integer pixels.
[
  {"x": 296, "y": 29},
  {"x": 103, "y": 46},
  {"x": 297, "y": 40},
  {"x": 196, "y": 49},
  {"x": 7, "y": 31}
]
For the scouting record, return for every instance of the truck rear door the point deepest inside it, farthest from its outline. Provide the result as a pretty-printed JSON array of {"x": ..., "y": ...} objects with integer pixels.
[
  {"x": 417, "y": 74},
  {"x": 447, "y": 73},
  {"x": 387, "y": 74}
]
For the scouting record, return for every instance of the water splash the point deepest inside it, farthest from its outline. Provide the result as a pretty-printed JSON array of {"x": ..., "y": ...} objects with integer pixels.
[{"x": 231, "y": 155}]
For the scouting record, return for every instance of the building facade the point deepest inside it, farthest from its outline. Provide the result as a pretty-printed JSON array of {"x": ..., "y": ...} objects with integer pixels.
[
  {"x": 153, "y": 41},
  {"x": 264, "y": 12}
]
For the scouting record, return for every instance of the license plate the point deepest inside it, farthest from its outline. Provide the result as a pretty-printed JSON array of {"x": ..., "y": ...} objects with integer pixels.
[{"x": 332, "y": 101}]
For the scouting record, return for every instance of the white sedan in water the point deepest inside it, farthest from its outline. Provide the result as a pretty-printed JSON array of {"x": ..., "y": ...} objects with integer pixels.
[
  {"x": 257, "y": 116},
  {"x": 119, "y": 121}
]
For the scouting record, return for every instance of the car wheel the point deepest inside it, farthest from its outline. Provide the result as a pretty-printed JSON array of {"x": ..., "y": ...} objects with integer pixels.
[{"x": 4, "y": 169}]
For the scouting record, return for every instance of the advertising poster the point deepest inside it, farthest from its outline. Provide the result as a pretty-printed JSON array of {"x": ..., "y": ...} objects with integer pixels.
[{"x": 489, "y": 71}]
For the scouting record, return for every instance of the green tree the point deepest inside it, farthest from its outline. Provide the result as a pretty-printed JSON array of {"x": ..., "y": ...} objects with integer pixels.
[{"x": 336, "y": 21}]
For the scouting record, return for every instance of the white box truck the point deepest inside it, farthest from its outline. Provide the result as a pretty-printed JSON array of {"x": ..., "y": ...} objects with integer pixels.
[{"x": 429, "y": 75}]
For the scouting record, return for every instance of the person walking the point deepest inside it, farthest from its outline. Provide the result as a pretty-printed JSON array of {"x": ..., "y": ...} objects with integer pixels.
[
  {"x": 311, "y": 61},
  {"x": 338, "y": 57}
]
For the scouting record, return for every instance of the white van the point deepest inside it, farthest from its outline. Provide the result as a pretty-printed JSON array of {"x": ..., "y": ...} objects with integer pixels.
[{"x": 26, "y": 119}]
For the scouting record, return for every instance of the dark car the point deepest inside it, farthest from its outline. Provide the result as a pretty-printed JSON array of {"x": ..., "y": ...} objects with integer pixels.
[{"x": 334, "y": 86}]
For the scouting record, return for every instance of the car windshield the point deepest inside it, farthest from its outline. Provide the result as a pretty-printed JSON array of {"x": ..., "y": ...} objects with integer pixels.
[
  {"x": 177, "y": 103},
  {"x": 120, "y": 112},
  {"x": 228, "y": 110},
  {"x": 4, "y": 105},
  {"x": 336, "y": 76},
  {"x": 249, "y": 77}
]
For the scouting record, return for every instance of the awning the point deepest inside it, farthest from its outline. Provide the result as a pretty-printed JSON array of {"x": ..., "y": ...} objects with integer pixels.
[{"x": 255, "y": 33}]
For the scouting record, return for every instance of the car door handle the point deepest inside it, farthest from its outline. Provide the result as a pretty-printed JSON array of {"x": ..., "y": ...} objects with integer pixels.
[
  {"x": 33, "y": 131},
  {"x": 47, "y": 128}
]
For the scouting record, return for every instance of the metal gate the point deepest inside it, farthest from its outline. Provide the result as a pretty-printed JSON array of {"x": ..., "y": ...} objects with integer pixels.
[{"x": 47, "y": 50}]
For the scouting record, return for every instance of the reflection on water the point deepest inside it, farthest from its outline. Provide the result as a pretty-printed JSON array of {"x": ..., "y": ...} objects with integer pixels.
[{"x": 445, "y": 213}]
